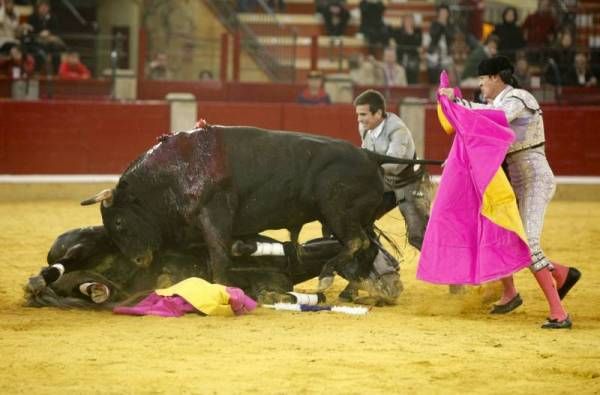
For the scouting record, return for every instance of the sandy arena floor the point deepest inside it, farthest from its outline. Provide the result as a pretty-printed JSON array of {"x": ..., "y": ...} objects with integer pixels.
[{"x": 431, "y": 342}]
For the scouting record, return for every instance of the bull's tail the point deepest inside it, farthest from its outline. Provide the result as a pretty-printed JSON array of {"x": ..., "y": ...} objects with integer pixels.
[{"x": 382, "y": 159}]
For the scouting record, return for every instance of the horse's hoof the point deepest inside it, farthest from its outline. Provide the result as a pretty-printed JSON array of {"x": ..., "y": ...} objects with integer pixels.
[
  {"x": 324, "y": 283},
  {"x": 36, "y": 284}
]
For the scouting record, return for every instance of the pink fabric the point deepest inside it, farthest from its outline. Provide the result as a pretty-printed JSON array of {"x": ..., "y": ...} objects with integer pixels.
[
  {"x": 461, "y": 246},
  {"x": 239, "y": 301},
  {"x": 176, "y": 306},
  {"x": 153, "y": 304}
]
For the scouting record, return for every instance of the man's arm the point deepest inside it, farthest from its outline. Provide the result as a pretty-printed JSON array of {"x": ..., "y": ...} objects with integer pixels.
[{"x": 511, "y": 106}]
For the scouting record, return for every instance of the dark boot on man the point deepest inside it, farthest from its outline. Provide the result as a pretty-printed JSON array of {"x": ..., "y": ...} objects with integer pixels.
[
  {"x": 556, "y": 324},
  {"x": 573, "y": 275}
]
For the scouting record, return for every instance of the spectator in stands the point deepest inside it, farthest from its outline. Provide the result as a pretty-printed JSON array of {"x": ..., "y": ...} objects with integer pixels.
[
  {"x": 393, "y": 74},
  {"x": 562, "y": 54},
  {"x": 539, "y": 29},
  {"x": 372, "y": 25},
  {"x": 488, "y": 50},
  {"x": 364, "y": 71},
  {"x": 409, "y": 41},
  {"x": 71, "y": 68},
  {"x": 442, "y": 36},
  {"x": 509, "y": 34},
  {"x": 522, "y": 73},
  {"x": 471, "y": 16},
  {"x": 17, "y": 65},
  {"x": 314, "y": 93},
  {"x": 336, "y": 16},
  {"x": 205, "y": 75},
  {"x": 579, "y": 73},
  {"x": 159, "y": 67},
  {"x": 9, "y": 20},
  {"x": 44, "y": 27},
  {"x": 459, "y": 51}
]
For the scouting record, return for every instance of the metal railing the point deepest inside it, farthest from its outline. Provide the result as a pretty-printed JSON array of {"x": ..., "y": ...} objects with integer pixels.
[{"x": 275, "y": 51}]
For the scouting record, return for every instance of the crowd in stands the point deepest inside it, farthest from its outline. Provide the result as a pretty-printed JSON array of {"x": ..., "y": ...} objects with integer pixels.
[
  {"x": 32, "y": 47},
  {"x": 542, "y": 46}
]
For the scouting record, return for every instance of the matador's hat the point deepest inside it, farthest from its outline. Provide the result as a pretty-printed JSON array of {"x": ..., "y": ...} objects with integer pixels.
[{"x": 495, "y": 65}]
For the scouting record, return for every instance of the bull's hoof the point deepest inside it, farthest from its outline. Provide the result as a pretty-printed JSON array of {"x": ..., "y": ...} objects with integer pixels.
[
  {"x": 324, "y": 283},
  {"x": 36, "y": 284}
]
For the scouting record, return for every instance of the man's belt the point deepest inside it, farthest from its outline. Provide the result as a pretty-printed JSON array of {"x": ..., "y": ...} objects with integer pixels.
[
  {"x": 406, "y": 177},
  {"x": 526, "y": 148}
]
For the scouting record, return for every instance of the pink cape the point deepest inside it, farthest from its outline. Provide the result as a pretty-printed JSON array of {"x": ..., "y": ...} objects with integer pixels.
[
  {"x": 176, "y": 305},
  {"x": 462, "y": 246}
]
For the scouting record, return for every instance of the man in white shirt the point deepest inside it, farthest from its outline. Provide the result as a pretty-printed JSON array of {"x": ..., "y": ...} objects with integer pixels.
[{"x": 385, "y": 133}]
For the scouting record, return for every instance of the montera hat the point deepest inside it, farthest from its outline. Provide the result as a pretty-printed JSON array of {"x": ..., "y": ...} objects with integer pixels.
[{"x": 495, "y": 65}]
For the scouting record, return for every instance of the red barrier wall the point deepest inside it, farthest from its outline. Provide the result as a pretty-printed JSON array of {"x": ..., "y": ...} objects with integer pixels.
[
  {"x": 572, "y": 139},
  {"x": 337, "y": 121},
  {"x": 69, "y": 137},
  {"x": 222, "y": 91},
  {"x": 83, "y": 137},
  {"x": 95, "y": 89}
]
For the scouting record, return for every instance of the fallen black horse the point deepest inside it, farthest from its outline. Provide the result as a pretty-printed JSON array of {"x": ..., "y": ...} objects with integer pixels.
[{"x": 101, "y": 276}]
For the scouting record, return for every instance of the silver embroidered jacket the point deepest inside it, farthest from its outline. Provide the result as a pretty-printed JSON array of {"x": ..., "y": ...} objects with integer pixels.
[
  {"x": 394, "y": 140},
  {"x": 523, "y": 114}
]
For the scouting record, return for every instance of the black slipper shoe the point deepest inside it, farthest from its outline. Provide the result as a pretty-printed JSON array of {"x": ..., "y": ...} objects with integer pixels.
[
  {"x": 573, "y": 275},
  {"x": 507, "y": 307},
  {"x": 556, "y": 324}
]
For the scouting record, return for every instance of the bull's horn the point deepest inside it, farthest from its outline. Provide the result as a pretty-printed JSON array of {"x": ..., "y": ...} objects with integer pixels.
[{"x": 104, "y": 196}]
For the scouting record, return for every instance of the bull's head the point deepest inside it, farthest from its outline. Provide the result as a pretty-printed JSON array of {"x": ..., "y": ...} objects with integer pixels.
[{"x": 130, "y": 225}]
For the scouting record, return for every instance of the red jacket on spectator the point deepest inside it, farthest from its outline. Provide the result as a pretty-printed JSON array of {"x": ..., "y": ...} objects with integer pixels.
[
  {"x": 73, "y": 71},
  {"x": 307, "y": 97}
]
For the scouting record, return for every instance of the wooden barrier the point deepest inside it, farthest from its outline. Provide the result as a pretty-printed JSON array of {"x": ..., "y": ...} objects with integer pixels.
[
  {"x": 94, "y": 89},
  {"x": 572, "y": 139},
  {"x": 76, "y": 137},
  {"x": 84, "y": 137}
]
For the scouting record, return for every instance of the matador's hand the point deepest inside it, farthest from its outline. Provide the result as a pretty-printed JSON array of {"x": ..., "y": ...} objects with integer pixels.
[{"x": 448, "y": 92}]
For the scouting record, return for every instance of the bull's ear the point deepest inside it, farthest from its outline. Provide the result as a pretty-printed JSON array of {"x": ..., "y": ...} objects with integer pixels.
[{"x": 105, "y": 196}]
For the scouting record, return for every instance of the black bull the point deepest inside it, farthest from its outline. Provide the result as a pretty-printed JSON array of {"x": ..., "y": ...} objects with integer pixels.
[
  {"x": 220, "y": 183},
  {"x": 92, "y": 257}
]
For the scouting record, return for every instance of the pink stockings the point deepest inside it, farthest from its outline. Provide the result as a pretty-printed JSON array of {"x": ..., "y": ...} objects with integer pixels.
[{"x": 546, "y": 282}]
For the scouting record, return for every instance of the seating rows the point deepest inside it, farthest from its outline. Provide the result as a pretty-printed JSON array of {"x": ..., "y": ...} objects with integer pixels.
[{"x": 332, "y": 53}]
